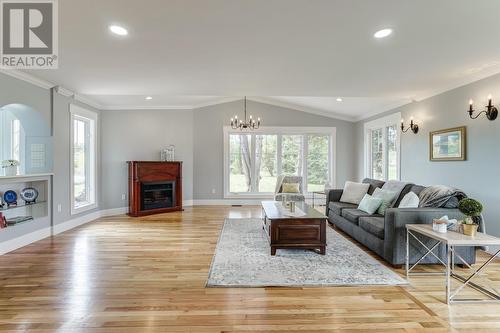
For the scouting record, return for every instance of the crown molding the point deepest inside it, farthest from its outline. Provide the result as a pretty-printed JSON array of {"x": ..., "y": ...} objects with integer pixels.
[
  {"x": 23, "y": 76},
  {"x": 145, "y": 107},
  {"x": 63, "y": 91},
  {"x": 388, "y": 108},
  {"x": 436, "y": 92},
  {"x": 221, "y": 100},
  {"x": 271, "y": 101},
  {"x": 88, "y": 101},
  {"x": 171, "y": 107}
]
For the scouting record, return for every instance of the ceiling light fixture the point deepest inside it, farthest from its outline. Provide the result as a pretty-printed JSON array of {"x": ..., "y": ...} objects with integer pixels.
[
  {"x": 244, "y": 124},
  {"x": 339, "y": 99},
  {"x": 382, "y": 33},
  {"x": 118, "y": 30},
  {"x": 149, "y": 98}
]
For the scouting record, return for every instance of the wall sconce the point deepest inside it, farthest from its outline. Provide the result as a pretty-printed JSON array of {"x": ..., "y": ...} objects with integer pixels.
[
  {"x": 491, "y": 111},
  {"x": 413, "y": 127}
]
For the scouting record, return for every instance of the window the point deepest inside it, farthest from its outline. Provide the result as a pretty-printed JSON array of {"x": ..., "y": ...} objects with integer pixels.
[
  {"x": 253, "y": 160},
  {"x": 382, "y": 148},
  {"x": 16, "y": 140},
  {"x": 241, "y": 159},
  {"x": 266, "y": 160},
  {"x": 318, "y": 173},
  {"x": 83, "y": 159}
]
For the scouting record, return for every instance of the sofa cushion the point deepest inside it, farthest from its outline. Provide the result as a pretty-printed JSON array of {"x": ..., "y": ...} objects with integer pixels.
[
  {"x": 336, "y": 207},
  {"x": 396, "y": 186},
  {"x": 373, "y": 225},
  {"x": 374, "y": 183},
  {"x": 354, "y": 192},
  {"x": 387, "y": 198},
  {"x": 410, "y": 200},
  {"x": 417, "y": 189},
  {"x": 352, "y": 215},
  {"x": 405, "y": 191},
  {"x": 290, "y": 188},
  {"x": 369, "y": 204}
]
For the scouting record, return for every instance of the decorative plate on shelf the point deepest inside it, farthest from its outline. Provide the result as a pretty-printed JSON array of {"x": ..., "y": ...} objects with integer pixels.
[
  {"x": 10, "y": 197},
  {"x": 29, "y": 194}
]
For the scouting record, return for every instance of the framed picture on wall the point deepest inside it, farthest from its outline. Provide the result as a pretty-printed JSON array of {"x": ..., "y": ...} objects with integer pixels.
[{"x": 448, "y": 144}]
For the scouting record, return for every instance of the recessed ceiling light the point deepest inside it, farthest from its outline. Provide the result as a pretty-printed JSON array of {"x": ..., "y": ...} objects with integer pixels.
[
  {"x": 339, "y": 99},
  {"x": 120, "y": 31},
  {"x": 149, "y": 98},
  {"x": 382, "y": 33}
]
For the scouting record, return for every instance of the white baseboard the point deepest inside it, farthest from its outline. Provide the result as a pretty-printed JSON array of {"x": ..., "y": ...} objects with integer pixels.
[
  {"x": 35, "y": 236},
  {"x": 76, "y": 222},
  {"x": 24, "y": 240},
  {"x": 114, "y": 211},
  {"x": 227, "y": 202}
]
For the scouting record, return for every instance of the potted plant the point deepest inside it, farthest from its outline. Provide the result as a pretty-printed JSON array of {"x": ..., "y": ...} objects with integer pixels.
[
  {"x": 10, "y": 167},
  {"x": 472, "y": 210}
]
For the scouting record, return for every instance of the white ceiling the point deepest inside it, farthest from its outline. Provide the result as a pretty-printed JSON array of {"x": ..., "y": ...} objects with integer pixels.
[{"x": 190, "y": 52}]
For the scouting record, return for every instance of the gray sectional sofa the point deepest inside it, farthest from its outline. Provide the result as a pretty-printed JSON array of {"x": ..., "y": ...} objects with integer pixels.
[{"x": 386, "y": 235}]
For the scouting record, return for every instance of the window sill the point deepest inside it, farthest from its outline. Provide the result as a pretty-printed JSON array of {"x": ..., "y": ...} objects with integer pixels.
[{"x": 83, "y": 209}]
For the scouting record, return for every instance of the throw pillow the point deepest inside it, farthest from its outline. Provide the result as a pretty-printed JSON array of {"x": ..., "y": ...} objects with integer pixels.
[
  {"x": 354, "y": 192},
  {"x": 410, "y": 200},
  {"x": 387, "y": 199},
  {"x": 369, "y": 204},
  {"x": 290, "y": 188}
]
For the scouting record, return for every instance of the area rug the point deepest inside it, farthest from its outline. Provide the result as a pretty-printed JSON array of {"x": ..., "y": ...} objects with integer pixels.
[{"x": 243, "y": 259}]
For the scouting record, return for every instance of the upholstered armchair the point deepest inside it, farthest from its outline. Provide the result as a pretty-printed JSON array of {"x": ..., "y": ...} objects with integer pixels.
[{"x": 278, "y": 193}]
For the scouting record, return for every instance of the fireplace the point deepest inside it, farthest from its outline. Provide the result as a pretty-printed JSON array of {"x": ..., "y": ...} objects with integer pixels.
[
  {"x": 157, "y": 195},
  {"x": 154, "y": 187}
]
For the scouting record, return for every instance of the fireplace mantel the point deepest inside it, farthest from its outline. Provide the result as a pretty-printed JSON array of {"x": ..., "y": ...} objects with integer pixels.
[{"x": 143, "y": 173}]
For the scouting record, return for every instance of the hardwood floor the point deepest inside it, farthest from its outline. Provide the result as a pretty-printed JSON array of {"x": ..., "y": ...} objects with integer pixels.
[{"x": 121, "y": 274}]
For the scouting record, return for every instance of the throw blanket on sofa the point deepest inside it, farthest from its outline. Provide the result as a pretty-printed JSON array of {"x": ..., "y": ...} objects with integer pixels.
[{"x": 440, "y": 196}]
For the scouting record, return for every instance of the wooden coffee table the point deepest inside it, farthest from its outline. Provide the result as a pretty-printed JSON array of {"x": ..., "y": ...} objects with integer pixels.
[{"x": 307, "y": 231}]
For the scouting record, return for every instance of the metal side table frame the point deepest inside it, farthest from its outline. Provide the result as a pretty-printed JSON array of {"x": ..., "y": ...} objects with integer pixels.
[{"x": 452, "y": 240}]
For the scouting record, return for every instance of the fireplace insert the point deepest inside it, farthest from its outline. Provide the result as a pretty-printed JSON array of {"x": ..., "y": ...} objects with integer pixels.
[{"x": 158, "y": 195}]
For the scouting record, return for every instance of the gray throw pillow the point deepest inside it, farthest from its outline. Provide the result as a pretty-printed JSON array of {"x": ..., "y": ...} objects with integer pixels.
[{"x": 387, "y": 198}]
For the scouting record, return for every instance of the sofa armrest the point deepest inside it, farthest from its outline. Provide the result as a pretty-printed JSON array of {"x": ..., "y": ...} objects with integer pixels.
[
  {"x": 333, "y": 195},
  {"x": 395, "y": 223}
]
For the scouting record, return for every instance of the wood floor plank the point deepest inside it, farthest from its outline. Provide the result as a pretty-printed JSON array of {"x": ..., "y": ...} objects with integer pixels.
[{"x": 122, "y": 274}]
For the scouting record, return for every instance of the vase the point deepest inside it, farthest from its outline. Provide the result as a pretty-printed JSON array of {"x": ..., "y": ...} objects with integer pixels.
[
  {"x": 470, "y": 229},
  {"x": 10, "y": 170}
]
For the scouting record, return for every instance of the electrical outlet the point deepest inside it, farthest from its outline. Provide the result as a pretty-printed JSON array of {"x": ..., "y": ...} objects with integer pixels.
[
  {"x": 59, "y": 208},
  {"x": 123, "y": 196},
  {"x": 213, "y": 191}
]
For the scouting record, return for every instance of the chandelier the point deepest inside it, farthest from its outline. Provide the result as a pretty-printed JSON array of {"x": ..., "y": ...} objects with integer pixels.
[{"x": 244, "y": 124}]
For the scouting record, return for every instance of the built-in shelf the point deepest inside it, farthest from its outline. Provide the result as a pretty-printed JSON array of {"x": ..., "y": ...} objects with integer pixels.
[
  {"x": 22, "y": 233},
  {"x": 5, "y": 208},
  {"x": 34, "y": 175}
]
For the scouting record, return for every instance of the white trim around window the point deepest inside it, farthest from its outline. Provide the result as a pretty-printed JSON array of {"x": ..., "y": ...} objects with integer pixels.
[
  {"x": 279, "y": 131},
  {"x": 382, "y": 125},
  {"x": 87, "y": 121}
]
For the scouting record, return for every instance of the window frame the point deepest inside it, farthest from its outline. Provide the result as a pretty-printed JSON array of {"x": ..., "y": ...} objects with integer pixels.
[
  {"x": 279, "y": 131},
  {"x": 78, "y": 112},
  {"x": 382, "y": 123}
]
